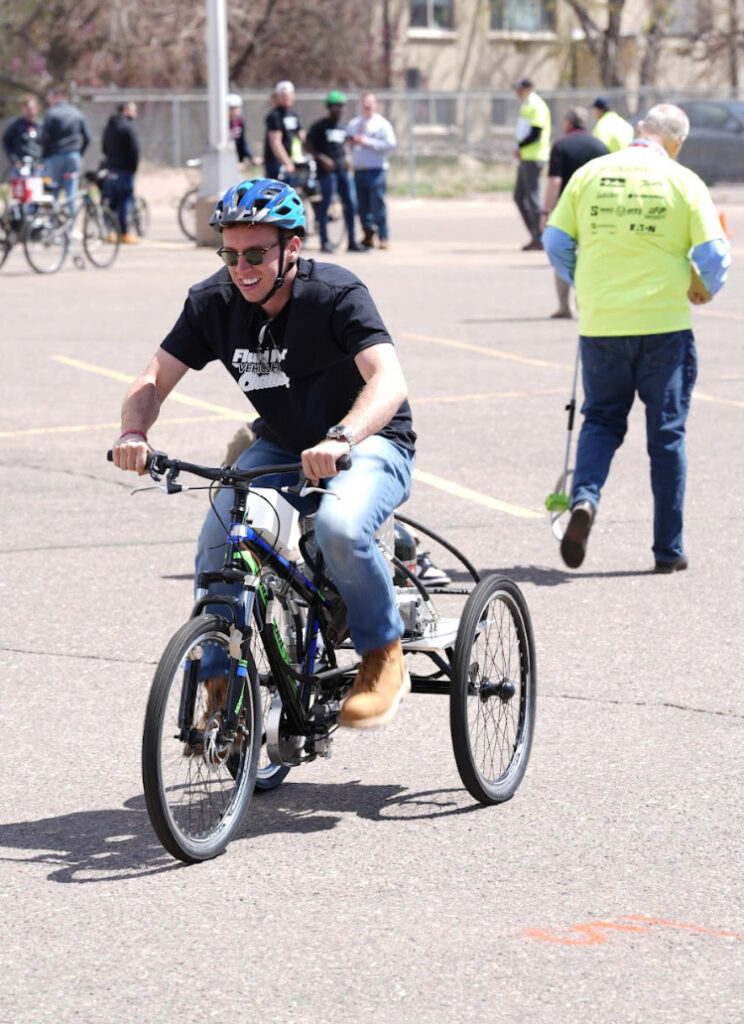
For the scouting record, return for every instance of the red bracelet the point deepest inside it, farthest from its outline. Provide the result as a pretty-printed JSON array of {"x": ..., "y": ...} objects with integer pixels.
[{"x": 139, "y": 433}]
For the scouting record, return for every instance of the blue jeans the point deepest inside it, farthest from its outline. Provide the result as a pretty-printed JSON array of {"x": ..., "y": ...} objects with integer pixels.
[
  {"x": 662, "y": 368},
  {"x": 64, "y": 170},
  {"x": 331, "y": 182},
  {"x": 370, "y": 189},
  {"x": 118, "y": 188},
  {"x": 377, "y": 483}
]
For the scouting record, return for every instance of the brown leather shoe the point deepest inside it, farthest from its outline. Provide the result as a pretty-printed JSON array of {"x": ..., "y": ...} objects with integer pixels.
[
  {"x": 369, "y": 238},
  {"x": 383, "y": 243},
  {"x": 381, "y": 683}
]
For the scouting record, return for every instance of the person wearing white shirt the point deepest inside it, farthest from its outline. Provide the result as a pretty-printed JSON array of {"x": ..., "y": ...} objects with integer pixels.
[{"x": 372, "y": 139}]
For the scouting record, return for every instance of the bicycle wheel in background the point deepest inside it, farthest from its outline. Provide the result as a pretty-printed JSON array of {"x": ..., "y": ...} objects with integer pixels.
[
  {"x": 140, "y": 216},
  {"x": 494, "y": 685},
  {"x": 336, "y": 222},
  {"x": 46, "y": 240},
  {"x": 187, "y": 214},
  {"x": 197, "y": 791},
  {"x": 100, "y": 235}
]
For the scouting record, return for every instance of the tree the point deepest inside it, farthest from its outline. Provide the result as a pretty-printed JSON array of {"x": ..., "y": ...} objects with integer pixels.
[
  {"x": 160, "y": 43},
  {"x": 603, "y": 41}
]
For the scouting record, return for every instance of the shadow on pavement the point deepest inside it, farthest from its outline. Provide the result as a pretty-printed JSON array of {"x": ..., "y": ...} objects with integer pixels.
[
  {"x": 544, "y": 577},
  {"x": 115, "y": 845}
]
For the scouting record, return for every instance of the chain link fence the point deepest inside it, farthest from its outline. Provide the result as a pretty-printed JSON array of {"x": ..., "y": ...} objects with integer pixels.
[{"x": 432, "y": 127}]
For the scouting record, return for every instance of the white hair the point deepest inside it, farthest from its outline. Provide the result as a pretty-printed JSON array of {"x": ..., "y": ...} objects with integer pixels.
[
  {"x": 665, "y": 121},
  {"x": 283, "y": 87}
]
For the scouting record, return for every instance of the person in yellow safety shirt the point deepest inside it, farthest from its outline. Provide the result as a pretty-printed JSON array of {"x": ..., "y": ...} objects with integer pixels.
[
  {"x": 613, "y": 130},
  {"x": 639, "y": 235},
  {"x": 532, "y": 149}
]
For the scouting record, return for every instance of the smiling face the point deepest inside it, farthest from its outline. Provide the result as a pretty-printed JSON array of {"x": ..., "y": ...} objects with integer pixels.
[{"x": 255, "y": 283}]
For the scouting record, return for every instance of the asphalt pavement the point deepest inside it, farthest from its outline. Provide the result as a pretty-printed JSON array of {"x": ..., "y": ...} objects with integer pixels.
[{"x": 369, "y": 887}]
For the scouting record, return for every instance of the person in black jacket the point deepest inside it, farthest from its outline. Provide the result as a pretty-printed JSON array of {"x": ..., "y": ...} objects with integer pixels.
[
  {"x": 64, "y": 138},
  {"x": 576, "y": 148},
  {"x": 21, "y": 136},
  {"x": 121, "y": 154}
]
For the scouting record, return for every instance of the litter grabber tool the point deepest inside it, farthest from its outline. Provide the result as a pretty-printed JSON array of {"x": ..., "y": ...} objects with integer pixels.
[{"x": 558, "y": 501}]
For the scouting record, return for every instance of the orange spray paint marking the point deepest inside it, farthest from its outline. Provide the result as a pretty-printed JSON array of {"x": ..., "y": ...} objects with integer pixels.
[{"x": 594, "y": 933}]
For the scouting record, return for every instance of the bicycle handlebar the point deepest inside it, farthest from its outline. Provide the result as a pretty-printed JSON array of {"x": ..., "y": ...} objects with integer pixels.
[{"x": 157, "y": 463}]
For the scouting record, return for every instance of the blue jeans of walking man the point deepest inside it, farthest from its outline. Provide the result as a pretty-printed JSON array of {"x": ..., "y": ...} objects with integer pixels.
[
  {"x": 377, "y": 483},
  {"x": 662, "y": 369},
  {"x": 331, "y": 182},
  {"x": 370, "y": 188}
]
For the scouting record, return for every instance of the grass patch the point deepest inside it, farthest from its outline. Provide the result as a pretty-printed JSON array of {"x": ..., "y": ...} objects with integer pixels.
[{"x": 449, "y": 179}]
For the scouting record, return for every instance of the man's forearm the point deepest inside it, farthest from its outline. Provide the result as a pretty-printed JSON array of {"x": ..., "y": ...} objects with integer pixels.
[
  {"x": 141, "y": 407},
  {"x": 376, "y": 404}
]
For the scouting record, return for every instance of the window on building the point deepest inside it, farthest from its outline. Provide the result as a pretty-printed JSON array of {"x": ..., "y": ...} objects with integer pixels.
[
  {"x": 432, "y": 14},
  {"x": 522, "y": 15},
  {"x": 435, "y": 111}
]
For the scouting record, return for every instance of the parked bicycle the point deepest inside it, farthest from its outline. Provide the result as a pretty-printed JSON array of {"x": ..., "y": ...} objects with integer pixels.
[
  {"x": 187, "y": 205},
  {"x": 54, "y": 226},
  {"x": 305, "y": 179},
  {"x": 291, "y": 664},
  {"x": 22, "y": 194}
]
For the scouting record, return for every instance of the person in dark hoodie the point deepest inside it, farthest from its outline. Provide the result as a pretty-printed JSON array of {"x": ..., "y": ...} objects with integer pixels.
[
  {"x": 21, "y": 136},
  {"x": 64, "y": 138},
  {"x": 120, "y": 148}
]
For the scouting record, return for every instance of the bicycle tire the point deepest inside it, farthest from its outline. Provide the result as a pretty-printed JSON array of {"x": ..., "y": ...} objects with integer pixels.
[
  {"x": 141, "y": 216},
  {"x": 100, "y": 235},
  {"x": 494, "y": 688},
  {"x": 268, "y": 775},
  {"x": 197, "y": 794},
  {"x": 187, "y": 213},
  {"x": 336, "y": 226},
  {"x": 46, "y": 241},
  {"x": 6, "y": 241}
]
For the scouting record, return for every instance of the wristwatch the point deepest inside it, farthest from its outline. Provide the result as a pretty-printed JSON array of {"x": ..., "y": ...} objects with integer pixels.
[{"x": 341, "y": 433}]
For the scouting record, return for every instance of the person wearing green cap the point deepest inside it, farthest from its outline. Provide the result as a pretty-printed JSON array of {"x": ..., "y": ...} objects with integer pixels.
[{"x": 327, "y": 142}]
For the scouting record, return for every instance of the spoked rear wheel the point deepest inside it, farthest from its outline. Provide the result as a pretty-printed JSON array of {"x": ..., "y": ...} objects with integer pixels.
[
  {"x": 336, "y": 222},
  {"x": 140, "y": 216},
  {"x": 492, "y": 703},
  {"x": 269, "y": 775},
  {"x": 197, "y": 789},
  {"x": 46, "y": 240},
  {"x": 187, "y": 213}
]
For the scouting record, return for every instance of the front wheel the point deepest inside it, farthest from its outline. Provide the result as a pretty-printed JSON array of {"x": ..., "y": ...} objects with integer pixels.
[
  {"x": 492, "y": 703},
  {"x": 46, "y": 240},
  {"x": 197, "y": 787},
  {"x": 187, "y": 213}
]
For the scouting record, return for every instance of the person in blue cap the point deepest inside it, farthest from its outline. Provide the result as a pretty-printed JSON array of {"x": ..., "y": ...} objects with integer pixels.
[{"x": 306, "y": 345}]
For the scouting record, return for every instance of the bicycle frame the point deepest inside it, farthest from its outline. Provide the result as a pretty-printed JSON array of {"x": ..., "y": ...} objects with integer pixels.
[{"x": 255, "y": 555}]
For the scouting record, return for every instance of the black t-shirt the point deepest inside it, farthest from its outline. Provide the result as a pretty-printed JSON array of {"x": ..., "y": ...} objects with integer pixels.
[
  {"x": 285, "y": 121},
  {"x": 328, "y": 137},
  {"x": 571, "y": 152},
  {"x": 299, "y": 373}
]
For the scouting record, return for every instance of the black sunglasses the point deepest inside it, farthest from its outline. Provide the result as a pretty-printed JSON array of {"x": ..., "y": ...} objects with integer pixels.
[{"x": 254, "y": 257}]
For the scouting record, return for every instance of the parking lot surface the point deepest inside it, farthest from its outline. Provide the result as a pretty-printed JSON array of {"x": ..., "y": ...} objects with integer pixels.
[{"x": 369, "y": 887}]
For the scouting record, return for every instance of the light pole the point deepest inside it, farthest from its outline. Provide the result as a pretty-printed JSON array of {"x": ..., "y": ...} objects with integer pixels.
[{"x": 219, "y": 162}]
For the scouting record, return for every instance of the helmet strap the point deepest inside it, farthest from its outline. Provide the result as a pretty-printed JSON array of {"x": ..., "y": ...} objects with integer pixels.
[{"x": 279, "y": 277}]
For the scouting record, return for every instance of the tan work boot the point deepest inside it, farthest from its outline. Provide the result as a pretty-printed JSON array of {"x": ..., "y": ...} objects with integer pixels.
[{"x": 381, "y": 683}]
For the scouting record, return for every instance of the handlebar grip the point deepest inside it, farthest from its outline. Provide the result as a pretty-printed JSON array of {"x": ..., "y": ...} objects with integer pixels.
[
  {"x": 148, "y": 460},
  {"x": 344, "y": 462}
]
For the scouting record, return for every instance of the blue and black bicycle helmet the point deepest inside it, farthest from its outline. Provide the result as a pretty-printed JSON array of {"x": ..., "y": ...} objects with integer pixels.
[{"x": 260, "y": 201}]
